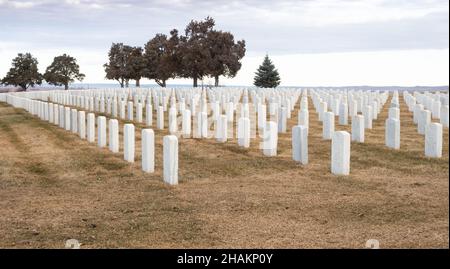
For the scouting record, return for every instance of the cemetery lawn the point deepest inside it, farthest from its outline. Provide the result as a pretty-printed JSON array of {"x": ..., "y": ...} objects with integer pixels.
[{"x": 55, "y": 186}]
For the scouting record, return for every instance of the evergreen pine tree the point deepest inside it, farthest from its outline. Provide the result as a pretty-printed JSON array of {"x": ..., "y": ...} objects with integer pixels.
[{"x": 266, "y": 75}]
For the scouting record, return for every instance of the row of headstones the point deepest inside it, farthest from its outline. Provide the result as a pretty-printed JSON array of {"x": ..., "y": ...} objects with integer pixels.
[
  {"x": 127, "y": 113},
  {"x": 299, "y": 142},
  {"x": 341, "y": 140},
  {"x": 222, "y": 94},
  {"x": 347, "y": 105},
  {"x": 243, "y": 125},
  {"x": 432, "y": 131},
  {"x": 76, "y": 122},
  {"x": 110, "y": 105},
  {"x": 425, "y": 108},
  {"x": 159, "y": 97},
  {"x": 282, "y": 112},
  {"x": 92, "y": 100},
  {"x": 222, "y": 123},
  {"x": 392, "y": 123},
  {"x": 98, "y": 98},
  {"x": 221, "y": 132},
  {"x": 71, "y": 119},
  {"x": 344, "y": 104},
  {"x": 340, "y": 150},
  {"x": 279, "y": 113}
]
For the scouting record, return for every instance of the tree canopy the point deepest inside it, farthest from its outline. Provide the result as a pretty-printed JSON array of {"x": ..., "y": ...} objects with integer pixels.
[
  {"x": 24, "y": 72},
  {"x": 62, "y": 71},
  {"x": 266, "y": 75},
  {"x": 136, "y": 65},
  {"x": 201, "y": 51},
  {"x": 162, "y": 57},
  {"x": 117, "y": 68},
  {"x": 195, "y": 49},
  {"x": 225, "y": 55}
]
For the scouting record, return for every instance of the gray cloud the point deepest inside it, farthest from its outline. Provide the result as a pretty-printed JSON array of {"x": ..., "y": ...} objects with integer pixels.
[{"x": 95, "y": 24}]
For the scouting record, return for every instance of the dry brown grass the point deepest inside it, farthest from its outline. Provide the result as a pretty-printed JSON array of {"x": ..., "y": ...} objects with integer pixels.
[{"x": 55, "y": 186}]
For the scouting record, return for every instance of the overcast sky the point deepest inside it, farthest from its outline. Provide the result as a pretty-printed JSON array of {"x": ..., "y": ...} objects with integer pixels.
[{"x": 311, "y": 42}]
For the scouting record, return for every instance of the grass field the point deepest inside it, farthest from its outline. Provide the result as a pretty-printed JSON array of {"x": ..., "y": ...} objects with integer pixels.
[{"x": 55, "y": 186}]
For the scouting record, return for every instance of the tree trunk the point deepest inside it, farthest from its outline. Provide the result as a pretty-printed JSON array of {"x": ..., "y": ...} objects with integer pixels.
[
  {"x": 66, "y": 86},
  {"x": 195, "y": 81},
  {"x": 138, "y": 83},
  {"x": 161, "y": 83},
  {"x": 216, "y": 81},
  {"x": 127, "y": 82},
  {"x": 120, "y": 82}
]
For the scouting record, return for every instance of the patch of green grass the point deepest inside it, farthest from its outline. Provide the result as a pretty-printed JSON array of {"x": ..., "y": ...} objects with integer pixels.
[
  {"x": 408, "y": 162},
  {"x": 37, "y": 168},
  {"x": 111, "y": 164},
  {"x": 12, "y": 135}
]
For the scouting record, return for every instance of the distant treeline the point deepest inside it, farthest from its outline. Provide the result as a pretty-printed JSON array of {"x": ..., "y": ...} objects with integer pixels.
[{"x": 201, "y": 52}]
